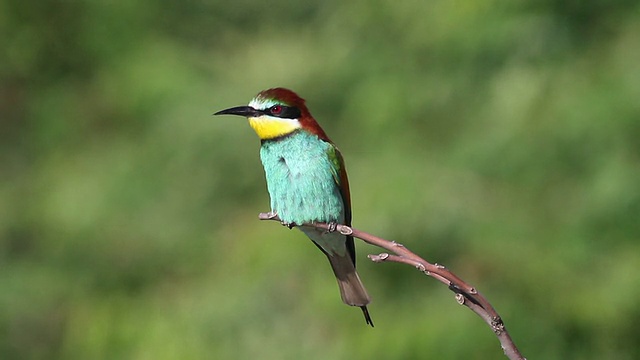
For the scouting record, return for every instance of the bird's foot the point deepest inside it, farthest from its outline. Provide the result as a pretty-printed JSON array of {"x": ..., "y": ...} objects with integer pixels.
[
  {"x": 332, "y": 226},
  {"x": 289, "y": 225}
]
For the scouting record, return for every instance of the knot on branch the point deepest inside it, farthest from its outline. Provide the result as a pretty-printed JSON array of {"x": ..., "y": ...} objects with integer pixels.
[
  {"x": 497, "y": 325},
  {"x": 345, "y": 230}
]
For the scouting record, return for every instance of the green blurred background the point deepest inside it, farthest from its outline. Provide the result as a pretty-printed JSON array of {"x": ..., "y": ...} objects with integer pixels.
[{"x": 499, "y": 138}]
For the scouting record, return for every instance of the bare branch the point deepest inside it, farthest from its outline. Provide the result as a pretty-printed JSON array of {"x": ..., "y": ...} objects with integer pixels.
[{"x": 466, "y": 294}]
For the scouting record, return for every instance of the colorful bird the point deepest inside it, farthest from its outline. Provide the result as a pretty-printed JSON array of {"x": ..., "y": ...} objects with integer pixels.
[{"x": 306, "y": 180}]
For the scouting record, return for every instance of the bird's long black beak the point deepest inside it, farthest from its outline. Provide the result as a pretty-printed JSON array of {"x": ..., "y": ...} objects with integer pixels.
[{"x": 246, "y": 111}]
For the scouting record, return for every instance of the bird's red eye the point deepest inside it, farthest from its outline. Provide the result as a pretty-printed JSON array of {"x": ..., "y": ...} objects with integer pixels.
[{"x": 276, "y": 109}]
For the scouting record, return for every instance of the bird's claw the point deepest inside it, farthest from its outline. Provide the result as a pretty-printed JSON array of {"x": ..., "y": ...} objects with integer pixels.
[
  {"x": 271, "y": 215},
  {"x": 289, "y": 225},
  {"x": 332, "y": 226}
]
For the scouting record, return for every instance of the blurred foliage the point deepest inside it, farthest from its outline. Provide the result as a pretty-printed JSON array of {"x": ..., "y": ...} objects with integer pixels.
[{"x": 499, "y": 138}]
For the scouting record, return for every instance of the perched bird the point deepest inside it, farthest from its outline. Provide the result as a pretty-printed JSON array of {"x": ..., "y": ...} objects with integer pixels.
[{"x": 306, "y": 180}]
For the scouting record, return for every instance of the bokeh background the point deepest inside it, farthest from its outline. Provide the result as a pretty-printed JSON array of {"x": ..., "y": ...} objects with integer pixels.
[{"x": 499, "y": 138}]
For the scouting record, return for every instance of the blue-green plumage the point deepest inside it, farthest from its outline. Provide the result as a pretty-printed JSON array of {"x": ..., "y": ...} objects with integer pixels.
[
  {"x": 302, "y": 182},
  {"x": 300, "y": 179}
]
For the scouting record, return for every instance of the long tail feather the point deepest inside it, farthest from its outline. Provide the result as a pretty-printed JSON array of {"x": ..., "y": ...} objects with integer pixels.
[
  {"x": 367, "y": 317},
  {"x": 352, "y": 290}
]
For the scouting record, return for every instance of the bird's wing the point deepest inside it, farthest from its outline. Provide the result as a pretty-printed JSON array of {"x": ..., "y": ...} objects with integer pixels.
[{"x": 340, "y": 177}]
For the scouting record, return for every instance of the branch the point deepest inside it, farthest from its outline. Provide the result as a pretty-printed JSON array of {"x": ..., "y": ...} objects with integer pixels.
[{"x": 465, "y": 294}]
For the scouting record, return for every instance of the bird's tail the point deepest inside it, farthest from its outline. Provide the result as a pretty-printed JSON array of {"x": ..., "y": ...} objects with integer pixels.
[{"x": 352, "y": 290}]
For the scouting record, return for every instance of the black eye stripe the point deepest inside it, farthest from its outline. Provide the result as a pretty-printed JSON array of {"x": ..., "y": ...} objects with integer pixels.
[{"x": 286, "y": 112}]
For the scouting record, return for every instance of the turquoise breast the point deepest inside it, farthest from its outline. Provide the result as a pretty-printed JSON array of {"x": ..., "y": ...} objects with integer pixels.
[{"x": 300, "y": 179}]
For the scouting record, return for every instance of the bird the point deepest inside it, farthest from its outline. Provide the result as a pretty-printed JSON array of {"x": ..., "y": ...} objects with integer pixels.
[{"x": 306, "y": 180}]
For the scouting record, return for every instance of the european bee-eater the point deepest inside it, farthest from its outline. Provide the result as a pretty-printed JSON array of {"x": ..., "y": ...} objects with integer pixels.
[{"x": 306, "y": 180}]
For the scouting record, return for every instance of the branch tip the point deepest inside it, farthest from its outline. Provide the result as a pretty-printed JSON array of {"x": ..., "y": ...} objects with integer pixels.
[
  {"x": 380, "y": 257},
  {"x": 268, "y": 216}
]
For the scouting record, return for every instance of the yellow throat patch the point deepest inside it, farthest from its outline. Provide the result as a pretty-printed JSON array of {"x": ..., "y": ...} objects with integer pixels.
[{"x": 268, "y": 127}]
